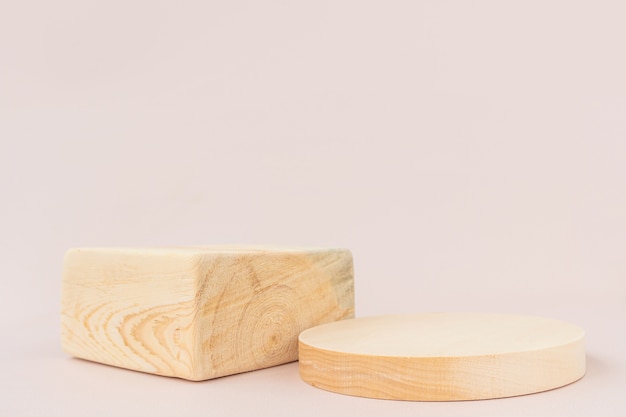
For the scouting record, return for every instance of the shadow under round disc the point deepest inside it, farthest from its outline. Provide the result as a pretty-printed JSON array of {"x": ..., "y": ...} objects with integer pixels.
[{"x": 442, "y": 356}]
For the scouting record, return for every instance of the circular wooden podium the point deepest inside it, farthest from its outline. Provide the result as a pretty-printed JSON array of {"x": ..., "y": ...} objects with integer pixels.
[{"x": 442, "y": 356}]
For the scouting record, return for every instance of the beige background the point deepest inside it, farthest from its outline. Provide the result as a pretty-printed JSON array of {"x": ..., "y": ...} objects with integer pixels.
[{"x": 472, "y": 155}]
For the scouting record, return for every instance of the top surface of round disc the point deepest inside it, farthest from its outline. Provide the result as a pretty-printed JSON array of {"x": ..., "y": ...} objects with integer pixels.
[
  {"x": 442, "y": 356},
  {"x": 441, "y": 334}
]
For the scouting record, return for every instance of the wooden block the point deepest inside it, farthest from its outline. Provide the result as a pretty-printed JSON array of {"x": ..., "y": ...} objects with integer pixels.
[
  {"x": 442, "y": 356},
  {"x": 199, "y": 312}
]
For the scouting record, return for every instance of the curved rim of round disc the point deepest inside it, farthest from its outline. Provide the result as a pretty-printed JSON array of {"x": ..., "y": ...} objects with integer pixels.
[{"x": 442, "y": 356}]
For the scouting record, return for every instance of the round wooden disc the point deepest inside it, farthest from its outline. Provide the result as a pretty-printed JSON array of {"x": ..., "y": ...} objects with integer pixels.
[{"x": 442, "y": 356}]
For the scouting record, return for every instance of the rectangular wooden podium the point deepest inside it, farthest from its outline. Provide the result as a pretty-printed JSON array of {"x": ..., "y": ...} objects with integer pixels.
[{"x": 200, "y": 312}]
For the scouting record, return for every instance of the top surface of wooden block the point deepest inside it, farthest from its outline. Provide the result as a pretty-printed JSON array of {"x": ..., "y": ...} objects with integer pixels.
[{"x": 217, "y": 249}]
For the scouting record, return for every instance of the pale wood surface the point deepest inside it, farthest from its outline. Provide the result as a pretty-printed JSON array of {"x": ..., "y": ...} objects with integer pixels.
[
  {"x": 199, "y": 312},
  {"x": 442, "y": 356}
]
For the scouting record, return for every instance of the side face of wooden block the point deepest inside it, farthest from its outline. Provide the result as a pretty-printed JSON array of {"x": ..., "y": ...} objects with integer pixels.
[
  {"x": 199, "y": 313},
  {"x": 251, "y": 317}
]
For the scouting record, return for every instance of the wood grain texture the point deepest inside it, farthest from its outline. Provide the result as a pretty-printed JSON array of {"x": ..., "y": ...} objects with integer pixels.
[
  {"x": 442, "y": 356},
  {"x": 199, "y": 312}
]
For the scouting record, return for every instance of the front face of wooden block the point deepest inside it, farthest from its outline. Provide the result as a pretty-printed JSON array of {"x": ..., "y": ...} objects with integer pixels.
[
  {"x": 199, "y": 313},
  {"x": 130, "y": 308}
]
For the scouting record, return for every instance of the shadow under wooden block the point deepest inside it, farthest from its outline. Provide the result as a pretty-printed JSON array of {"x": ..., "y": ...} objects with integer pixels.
[{"x": 200, "y": 312}]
